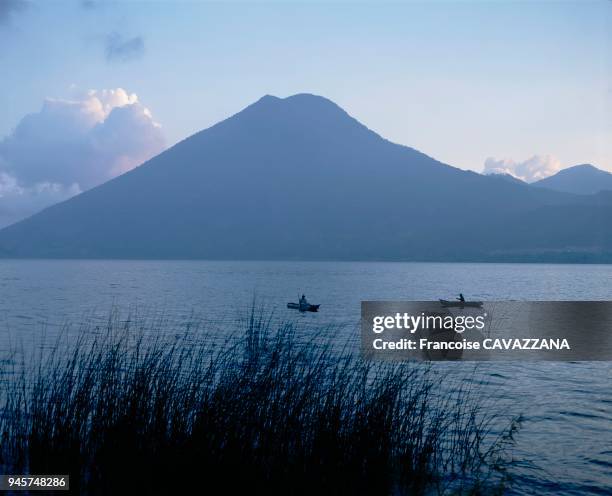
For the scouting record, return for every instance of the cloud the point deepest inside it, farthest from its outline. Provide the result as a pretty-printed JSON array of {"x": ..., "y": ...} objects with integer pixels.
[
  {"x": 10, "y": 7},
  {"x": 72, "y": 145},
  {"x": 18, "y": 202},
  {"x": 121, "y": 49},
  {"x": 533, "y": 169}
]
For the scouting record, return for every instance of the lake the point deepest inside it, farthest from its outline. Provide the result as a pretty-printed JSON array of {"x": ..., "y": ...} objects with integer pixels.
[{"x": 565, "y": 444}]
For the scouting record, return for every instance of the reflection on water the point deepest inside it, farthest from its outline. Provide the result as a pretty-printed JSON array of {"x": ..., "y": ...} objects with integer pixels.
[{"x": 565, "y": 445}]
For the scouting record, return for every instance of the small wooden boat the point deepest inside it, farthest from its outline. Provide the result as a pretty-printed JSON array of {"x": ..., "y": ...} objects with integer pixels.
[
  {"x": 306, "y": 308},
  {"x": 461, "y": 304}
]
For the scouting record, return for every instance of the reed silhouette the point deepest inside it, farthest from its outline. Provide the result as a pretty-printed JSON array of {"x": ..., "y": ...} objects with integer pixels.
[{"x": 128, "y": 411}]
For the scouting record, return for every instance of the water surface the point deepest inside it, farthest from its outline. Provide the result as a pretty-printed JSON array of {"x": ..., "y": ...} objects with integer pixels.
[{"x": 565, "y": 444}]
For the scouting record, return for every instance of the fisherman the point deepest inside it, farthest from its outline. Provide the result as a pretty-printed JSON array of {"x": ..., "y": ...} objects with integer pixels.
[
  {"x": 303, "y": 303},
  {"x": 461, "y": 298}
]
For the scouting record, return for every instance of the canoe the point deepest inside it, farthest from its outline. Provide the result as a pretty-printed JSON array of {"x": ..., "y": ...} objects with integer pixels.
[
  {"x": 309, "y": 308},
  {"x": 462, "y": 304}
]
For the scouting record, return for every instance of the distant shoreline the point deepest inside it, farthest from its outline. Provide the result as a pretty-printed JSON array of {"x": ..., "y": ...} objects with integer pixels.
[{"x": 569, "y": 261}]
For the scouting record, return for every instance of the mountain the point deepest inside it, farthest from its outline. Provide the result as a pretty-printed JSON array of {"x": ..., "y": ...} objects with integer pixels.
[
  {"x": 298, "y": 178},
  {"x": 582, "y": 179},
  {"x": 506, "y": 177}
]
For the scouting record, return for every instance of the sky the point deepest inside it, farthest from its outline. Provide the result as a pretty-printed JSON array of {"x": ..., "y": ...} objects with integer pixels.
[{"x": 91, "y": 88}]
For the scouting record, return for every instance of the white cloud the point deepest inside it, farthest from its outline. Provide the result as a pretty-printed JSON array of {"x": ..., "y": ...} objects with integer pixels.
[
  {"x": 73, "y": 145},
  {"x": 533, "y": 169}
]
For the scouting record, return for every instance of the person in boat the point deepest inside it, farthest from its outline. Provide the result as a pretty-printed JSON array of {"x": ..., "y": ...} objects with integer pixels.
[
  {"x": 461, "y": 298},
  {"x": 303, "y": 303}
]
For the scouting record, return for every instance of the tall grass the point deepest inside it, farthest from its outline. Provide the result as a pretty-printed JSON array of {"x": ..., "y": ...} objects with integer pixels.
[{"x": 125, "y": 412}]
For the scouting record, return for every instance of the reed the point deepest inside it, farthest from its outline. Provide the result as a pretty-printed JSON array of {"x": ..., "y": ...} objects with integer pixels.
[{"x": 131, "y": 412}]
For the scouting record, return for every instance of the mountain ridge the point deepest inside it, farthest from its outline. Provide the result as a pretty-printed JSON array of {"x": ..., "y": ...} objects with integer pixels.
[{"x": 584, "y": 179}]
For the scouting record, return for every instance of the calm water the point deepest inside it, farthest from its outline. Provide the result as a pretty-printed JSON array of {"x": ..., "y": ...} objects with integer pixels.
[{"x": 565, "y": 444}]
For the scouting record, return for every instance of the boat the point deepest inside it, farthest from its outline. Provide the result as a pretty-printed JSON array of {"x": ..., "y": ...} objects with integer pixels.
[
  {"x": 308, "y": 308},
  {"x": 461, "y": 304}
]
